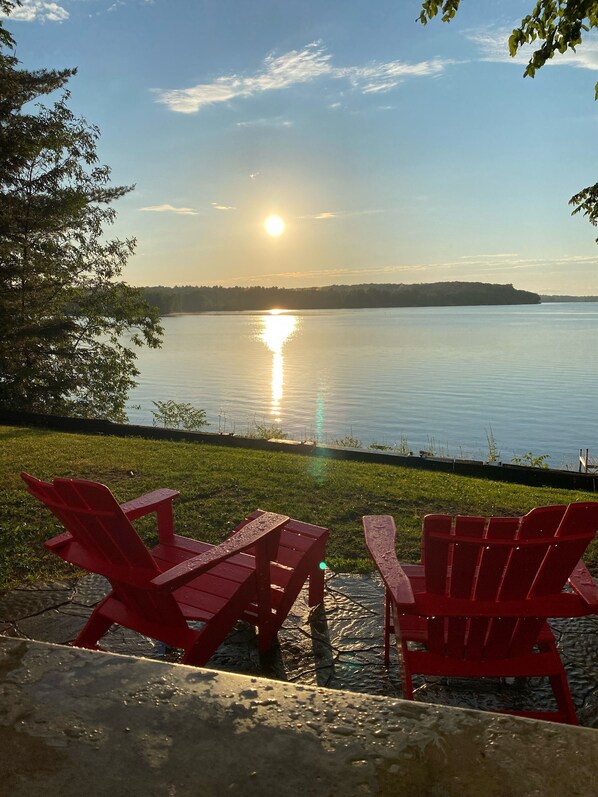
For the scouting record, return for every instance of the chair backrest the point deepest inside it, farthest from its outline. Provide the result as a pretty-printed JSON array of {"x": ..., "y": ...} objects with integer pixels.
[
  {"x": 102, "y": 534},
  {"x": 499, "y": 560},
  {"x": 105, "y": 542}
]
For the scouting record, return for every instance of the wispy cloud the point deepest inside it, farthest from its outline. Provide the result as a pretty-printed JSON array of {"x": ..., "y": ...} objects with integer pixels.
[
  {"x": 328, "y": 273},
  {"x": 340, "y": 214},
  {"x": 294, "y": 68},
  {"x": 493, "y": 45},
  {"x": 271, "y": 121},
  {"x": 170, "y": 209},
  {"x": 492, "y": 257},
  {"x": 378, "y": 77},
  {"x": 487, "y": 264},
  {"x": 475, "y": 267},
  {"x": 218, "y": 206},
  {"x": 38, "y": 11},
  {"x": 254, "y": 175}
]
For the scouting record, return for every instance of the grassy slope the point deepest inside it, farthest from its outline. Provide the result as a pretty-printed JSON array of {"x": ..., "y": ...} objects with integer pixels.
[{"x": 220, "y": 485}]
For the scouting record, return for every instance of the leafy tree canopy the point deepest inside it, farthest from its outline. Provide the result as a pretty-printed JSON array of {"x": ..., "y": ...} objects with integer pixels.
[
  {"x": 556, "y": 26},
  {"x": 68, "y": 325}
]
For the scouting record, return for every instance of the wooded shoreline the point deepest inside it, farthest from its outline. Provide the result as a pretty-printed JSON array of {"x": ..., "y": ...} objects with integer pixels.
[{"x": 201, "y": 299}]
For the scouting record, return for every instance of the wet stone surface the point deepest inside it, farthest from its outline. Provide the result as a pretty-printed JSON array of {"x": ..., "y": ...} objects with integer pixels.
[{"x": 339, "y": 646}]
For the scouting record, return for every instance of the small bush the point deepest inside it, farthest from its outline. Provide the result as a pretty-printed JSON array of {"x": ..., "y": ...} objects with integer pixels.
[
  {"x": 348, "y": 441},
  {"x": 532, "y": 461},
  {"x": 265, "y": 431},
  {"x": 178, "y": 415}
]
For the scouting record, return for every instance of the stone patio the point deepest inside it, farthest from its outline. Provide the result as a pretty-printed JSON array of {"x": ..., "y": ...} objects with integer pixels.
[{"x": 339, "y": 646}]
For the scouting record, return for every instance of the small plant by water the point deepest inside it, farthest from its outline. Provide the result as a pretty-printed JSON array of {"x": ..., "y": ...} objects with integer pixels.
[
  {"x": 348, "y": 441},
  {"x": 401, "y": 447},
  {"x": 178, "y": 415},
  {"x": 493, "y": 449},
  {"x": 434, "y": 449},
  {"x": 531, "y": 460},
  {"x": 223, "y": 425},
  {"x": 266, "y": 431}
]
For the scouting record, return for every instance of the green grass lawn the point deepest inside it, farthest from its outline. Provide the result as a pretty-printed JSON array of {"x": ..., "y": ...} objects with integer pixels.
[{"x": 219, "y": 486}]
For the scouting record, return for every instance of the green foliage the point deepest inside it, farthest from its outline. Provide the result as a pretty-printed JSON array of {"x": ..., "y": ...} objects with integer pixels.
[
  {"x": 493, "y": 449},
  {"x": 178, "y": 415},
  {"x": 266, "y": 431},
  {"x": 556, "y": 25},
  {"x": 586, "y": 202},
  {"x": 401, "y": 447},
  {"x": 430, "y": 8},
  {"x": 199, "y": 299},
  {"x": 67, "y": 324},
  {"x": 348, "y": 441},
  {"x": 219, "y": 486},
  {"x": 559, "y": 25},
  {"x": 531, "y": 460}
]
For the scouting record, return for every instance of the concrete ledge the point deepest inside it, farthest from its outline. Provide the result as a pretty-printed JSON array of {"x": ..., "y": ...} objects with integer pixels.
[
  {"x": 517, "y": 474},
  {"x": 75, "y": 722}
]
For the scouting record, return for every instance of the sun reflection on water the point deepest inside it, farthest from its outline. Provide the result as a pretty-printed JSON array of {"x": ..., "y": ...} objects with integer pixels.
[{"x": 277, "y": 329}]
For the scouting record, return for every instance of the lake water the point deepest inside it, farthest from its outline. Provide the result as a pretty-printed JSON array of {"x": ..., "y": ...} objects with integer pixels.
[{"x": 431, "y": 378}]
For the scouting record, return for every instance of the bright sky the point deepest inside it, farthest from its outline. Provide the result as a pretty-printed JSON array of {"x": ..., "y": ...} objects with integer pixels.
[{"x": 391, "y": 152}]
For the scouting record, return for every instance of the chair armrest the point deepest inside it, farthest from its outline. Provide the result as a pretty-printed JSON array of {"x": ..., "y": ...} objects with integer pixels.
[
  {"x": 380, "y": 533},
  {"x": 150, "y": 502},
  {"x": 584, "y": 585},
  {"x": 248, "y": 536}
]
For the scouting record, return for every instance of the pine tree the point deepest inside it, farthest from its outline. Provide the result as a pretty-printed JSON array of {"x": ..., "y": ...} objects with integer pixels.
[{"x": 68, "y": 325}]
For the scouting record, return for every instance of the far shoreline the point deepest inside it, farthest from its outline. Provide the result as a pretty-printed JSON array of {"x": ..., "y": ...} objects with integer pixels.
[{"x": 192, "y": 300}]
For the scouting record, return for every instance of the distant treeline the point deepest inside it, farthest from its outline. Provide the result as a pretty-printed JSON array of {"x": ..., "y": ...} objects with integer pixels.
[
  {"x": 546, "y": 299},
  {"x": 193, "y": 299}
]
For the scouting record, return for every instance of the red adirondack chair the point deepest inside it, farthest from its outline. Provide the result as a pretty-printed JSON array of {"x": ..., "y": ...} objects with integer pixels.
[
  {"x": 478, "y": 604},
  {"x": 157, "y": 592}
]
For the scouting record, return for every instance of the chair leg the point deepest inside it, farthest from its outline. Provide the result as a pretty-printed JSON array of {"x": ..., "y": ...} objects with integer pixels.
[
  {"x": 95, "y": 628},
  {"x": 406, "y": 674},
  {"x": 207, "y": 642},
  {"x": 214, "y": 632},
  {"x": 560, "y": 687},
  {"x": 386, "y": 627},
  {"x": 316, "y": 586},
  {"x": 266, "y": 640}
]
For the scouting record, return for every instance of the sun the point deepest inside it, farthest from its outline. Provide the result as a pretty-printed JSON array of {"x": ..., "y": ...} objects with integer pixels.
[{"x": 274, "y": 226}]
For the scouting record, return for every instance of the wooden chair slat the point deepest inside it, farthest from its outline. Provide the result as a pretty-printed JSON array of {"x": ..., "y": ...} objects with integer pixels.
[
  {"x": 498, "y": 638},
  {"x": 436, "y": 635},
  {"x": 112, "y": 533},
  {"x": 493, "y": 558},
  {"x": 476, "y": 637},
  {"x": 435, "y": 552},
  {"x": 465, "y": 557},
  {"x": 525, "y": 635},
  {"x": 455, "y": 637}
]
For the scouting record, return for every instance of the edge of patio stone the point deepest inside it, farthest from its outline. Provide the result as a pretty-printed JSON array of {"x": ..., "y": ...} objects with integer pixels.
[{"x": 73, "y": 721}]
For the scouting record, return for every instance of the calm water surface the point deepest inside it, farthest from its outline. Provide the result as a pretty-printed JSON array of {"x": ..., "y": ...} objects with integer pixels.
[{"x": 437, "y": 378}]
